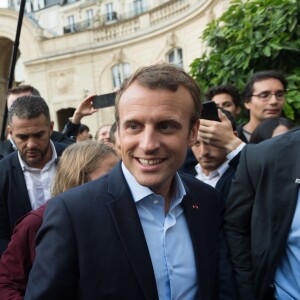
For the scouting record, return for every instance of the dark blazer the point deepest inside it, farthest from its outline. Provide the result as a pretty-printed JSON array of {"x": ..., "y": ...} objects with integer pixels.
[
  {"x": 261, "y": 206},
  {"x": 224, "y": 183},
  {"x": 58, "y": 137},
  {"x": 92, "y": 246},
  {"x": 14, "y": 198}
]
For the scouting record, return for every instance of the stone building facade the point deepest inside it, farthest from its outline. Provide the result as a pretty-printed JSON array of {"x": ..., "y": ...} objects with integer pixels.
[{"x": 71, "y": 48}]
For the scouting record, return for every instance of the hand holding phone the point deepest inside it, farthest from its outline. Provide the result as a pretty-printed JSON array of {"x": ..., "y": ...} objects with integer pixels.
[{"x": 210, "y": 111}]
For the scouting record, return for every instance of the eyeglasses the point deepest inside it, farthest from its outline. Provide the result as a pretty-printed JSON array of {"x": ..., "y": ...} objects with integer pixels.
[{"x": 266, "y": 96}]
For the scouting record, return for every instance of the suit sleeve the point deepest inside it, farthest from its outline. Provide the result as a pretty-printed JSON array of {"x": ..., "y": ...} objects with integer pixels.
[
  {"x": 4, "y": 221},
  {"x": 237, "y": 227},
  {"x": 227, "y": 288},
  {"x": 54, "y": 274},
  {"x": 17, "y": 260}
]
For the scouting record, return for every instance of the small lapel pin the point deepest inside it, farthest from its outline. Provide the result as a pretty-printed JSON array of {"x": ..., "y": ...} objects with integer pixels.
[
  {"x": 195, "y": 206},
  {"x": 297, "y": 180}
]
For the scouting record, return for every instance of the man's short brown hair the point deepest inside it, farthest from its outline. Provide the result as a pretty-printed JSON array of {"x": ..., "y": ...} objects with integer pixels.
[{"x": 165, "y": 77}]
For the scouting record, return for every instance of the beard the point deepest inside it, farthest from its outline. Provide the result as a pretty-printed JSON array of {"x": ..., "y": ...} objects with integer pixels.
[{"x": 35, "y": 157}]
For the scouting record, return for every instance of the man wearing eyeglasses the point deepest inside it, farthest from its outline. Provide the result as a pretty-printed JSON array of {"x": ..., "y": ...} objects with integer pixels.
[{"x": 264, "y": 97}]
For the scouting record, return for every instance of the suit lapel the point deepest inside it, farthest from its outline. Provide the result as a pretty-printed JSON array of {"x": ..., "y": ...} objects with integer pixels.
[
  {"x": 127, "y": 222},
  {"x": 197, "y": 219},
  {"x": 23, "y": 202}
]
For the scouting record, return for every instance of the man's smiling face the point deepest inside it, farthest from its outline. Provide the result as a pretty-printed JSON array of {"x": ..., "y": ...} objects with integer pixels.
[{"x": 155, "y": 133}]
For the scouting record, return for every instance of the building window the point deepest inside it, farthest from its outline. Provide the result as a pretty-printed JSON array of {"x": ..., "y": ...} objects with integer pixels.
[
  {"x": 138, "y": 7},
  {"x": 119, "y": 73},
  {"x": 71, "y": 23},
  {"x": 175, "y": 57},
  {"x": 110, "y": 14},
  {"x": 89, "y": 17}
]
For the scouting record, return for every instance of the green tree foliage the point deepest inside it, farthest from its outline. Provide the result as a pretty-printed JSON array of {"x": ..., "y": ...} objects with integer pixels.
[{"x": 253, "y": 36}]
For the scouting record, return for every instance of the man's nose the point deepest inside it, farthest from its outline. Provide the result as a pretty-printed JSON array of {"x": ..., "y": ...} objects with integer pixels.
[
  {"x": 273, "y": 100},
  {"x": 149, "y": 141},
  {"x": 205, "y": 149},
  {"x": 31, "y": 143}
]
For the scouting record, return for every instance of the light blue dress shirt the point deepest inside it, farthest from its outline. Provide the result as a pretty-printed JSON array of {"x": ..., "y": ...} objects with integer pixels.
[
  {"x": 168, "y": 240},
  {"x": 287, "y": 277}
]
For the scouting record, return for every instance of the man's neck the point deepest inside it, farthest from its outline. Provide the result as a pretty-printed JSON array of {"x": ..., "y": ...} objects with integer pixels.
[{"x": 251, "y": 125}]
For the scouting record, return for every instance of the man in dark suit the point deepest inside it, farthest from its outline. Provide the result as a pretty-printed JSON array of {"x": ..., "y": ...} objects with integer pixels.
[
  {"x": 26, "y": 174},
  {"x": 142, "y": 231},
  {"x": 68, "y": 136},
  {"x": 7, "y": 147},
  {"x": 262, "y": 219},
  {"x": 214, "y": 167}
]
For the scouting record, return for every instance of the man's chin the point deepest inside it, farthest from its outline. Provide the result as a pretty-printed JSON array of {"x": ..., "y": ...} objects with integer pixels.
[{"x": 33, "y": 162}]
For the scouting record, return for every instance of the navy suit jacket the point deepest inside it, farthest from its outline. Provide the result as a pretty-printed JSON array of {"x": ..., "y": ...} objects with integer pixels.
[
  {"x": 14, "y": 198},
  {"x": 261, "y": 207},
  {"x": 92, "y": 246}
]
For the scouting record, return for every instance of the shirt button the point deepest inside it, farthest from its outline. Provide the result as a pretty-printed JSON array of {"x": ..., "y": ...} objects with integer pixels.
[
  {"x": 156, "y": 202},
  {"x": 171, "y": 269}
]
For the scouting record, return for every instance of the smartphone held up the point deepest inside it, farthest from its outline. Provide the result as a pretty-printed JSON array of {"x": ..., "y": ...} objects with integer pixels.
[{"x": 105, "y": 100}]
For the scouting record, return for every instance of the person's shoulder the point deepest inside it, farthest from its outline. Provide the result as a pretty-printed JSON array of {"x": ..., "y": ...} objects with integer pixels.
[
  {"x": 31, "y": 222},
  {"x": 8, "y": 160},
  {"x": 86, "y": 193},
  {"x": 5, "y": 148},
  {"x": 61, "y": 138},
  {"x": 195, "y": 184}
]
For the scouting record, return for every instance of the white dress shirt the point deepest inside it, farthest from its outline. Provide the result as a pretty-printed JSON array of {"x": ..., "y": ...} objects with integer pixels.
[{"x": 38, "y": 182}]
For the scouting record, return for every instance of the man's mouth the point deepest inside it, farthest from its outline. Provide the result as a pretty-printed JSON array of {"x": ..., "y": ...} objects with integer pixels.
[{"x": 149, "y": 162}]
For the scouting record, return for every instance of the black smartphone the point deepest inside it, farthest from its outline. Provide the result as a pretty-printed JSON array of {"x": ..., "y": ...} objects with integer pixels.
[
  {"x": 105, "y": 100},
  {"x": 210, "y": 111}
]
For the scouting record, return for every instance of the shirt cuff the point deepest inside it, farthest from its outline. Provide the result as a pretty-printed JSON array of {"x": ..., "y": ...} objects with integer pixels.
[{"x": 233, "y": 153}]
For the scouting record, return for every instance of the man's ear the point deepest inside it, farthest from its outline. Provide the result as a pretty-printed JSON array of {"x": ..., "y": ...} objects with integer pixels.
[
  {"x": 247, "y": 105},
  {"x": 51, "y": 127},
  {"x": 193, "y": 134},
  {"x": 9, "y": 129}
]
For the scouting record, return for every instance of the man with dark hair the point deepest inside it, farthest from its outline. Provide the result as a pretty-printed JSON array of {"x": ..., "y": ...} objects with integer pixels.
[
  {"x": 264, "y": 97},
  {"x": 226, "y": 97},
  {"x": 214, "y": 166},
  {"x": 26, "y": 174},
  {"x": 142, "y": 231},
  {"x": 68, "y": 136},
  {"x": 83, "y": 133},
  {"x": 7, "y": 147}
]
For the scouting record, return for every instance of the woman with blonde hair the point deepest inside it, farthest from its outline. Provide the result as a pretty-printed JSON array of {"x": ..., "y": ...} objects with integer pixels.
[{"x": 79, "y": 163}]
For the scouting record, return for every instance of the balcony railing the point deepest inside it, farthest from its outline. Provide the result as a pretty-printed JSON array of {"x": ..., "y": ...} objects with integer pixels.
[
  {"x": 126, "y": 26},
  {"x": 88, "y": 24}
]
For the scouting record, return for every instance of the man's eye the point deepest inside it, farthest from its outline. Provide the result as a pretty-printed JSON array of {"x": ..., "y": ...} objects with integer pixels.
[
  {"x": 133, "y": 126},
  {"x": 167, "y": 126},
  {"x": 226, "y": 105},
  {"x": 279, "y": 94},
  {"x": 22, "y": 137},
  {"x": 197, "y": 144},
  {"x": 264, "y": 95}
]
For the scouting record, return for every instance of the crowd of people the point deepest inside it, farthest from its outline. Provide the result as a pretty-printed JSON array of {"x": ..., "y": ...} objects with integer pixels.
[{"x": 163, "y": 204}]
